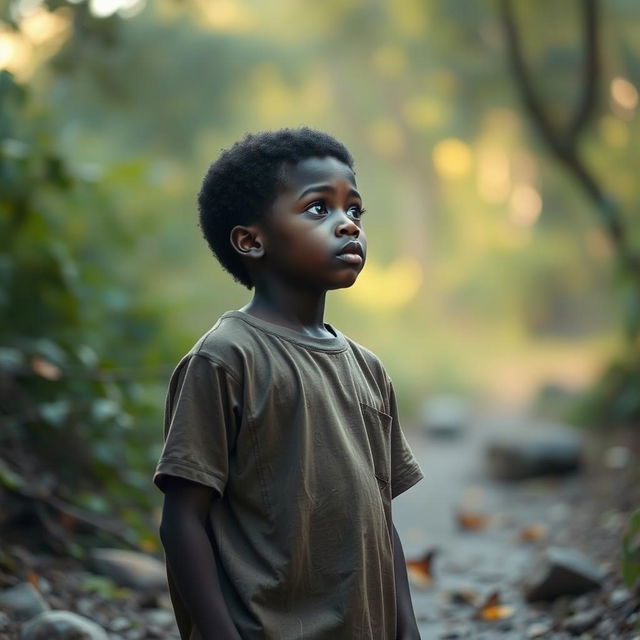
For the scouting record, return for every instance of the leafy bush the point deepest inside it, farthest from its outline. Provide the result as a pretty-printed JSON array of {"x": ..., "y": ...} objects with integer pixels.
[
  {"x": 615, "y": 398},
  {"x": 78, "y": 416}
]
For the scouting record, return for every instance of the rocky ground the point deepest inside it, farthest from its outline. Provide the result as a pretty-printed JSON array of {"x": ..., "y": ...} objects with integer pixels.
[
  {"x": 476, "y": 547},
  {"x": 493, "y": 541}
]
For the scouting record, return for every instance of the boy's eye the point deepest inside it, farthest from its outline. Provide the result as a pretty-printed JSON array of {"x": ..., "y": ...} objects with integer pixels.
[
  {"x": 318, "y": 208},
  {"x": 356, "y": 211}
]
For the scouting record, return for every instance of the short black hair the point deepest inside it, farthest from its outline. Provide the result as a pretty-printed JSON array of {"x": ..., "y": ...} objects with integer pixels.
[{"x": 242, "y": 184}]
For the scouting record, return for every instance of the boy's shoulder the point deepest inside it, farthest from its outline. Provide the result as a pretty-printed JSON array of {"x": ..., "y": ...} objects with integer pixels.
[
  {"x": 224, "y": 341},
  {"x": 368, "y": 358}
]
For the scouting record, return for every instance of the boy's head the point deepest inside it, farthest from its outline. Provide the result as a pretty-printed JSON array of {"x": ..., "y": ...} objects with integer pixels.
[{"x": 241, "y": 186}]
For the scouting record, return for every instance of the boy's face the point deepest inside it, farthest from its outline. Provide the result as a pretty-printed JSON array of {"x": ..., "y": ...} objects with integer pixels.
[{"x": 313, "y": 236}]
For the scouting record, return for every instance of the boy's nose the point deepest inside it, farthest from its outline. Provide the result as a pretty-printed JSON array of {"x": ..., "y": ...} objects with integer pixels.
[{"x": 348, "y": 228}]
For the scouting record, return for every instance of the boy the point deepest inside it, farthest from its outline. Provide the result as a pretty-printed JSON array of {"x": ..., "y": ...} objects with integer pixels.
[{"x": 283, "y": 448}]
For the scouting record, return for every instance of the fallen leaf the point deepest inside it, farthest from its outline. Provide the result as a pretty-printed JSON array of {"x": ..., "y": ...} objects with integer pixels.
[
  {"x": 492, "y": 610},
  {"x": 32, "y": 578},
  {"x": 472, "y": 520},
  {"x": 420, "y": 571},
  {"x": 532, "y": 533}
]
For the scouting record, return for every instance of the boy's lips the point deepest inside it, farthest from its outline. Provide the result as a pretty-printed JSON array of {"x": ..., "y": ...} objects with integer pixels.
[{"x": 352, "y": 252}]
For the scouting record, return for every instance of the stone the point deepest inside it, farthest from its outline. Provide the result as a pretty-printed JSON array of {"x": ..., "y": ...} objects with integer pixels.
[
  {"x": 444, "y": 416},
  {"x": 581, "y": 604},
  {"x": 4, "y": 621},
  {"x": 23, "y": 601},
  {"x": 583, "y": 621},
  {"x": 539, "y": 630},
  {"x": 62, "y": 625},
  {"x": 159, "y": 617},
  {"x": 119, "y": 624},
  {"x": 617, "y": 457},
  {"x": 562, "y": 572},
  {"x": 632, "y": 620},
  {"x": 84, "y": 606},
  {"x": 619, "y": 597},
  {"x": 538, "y": 450},
  {"x": 454, "y": 633},
  {"x": 130, "y": 568},
  {"x": 44, "y": 586},
  {"x": 606, "y": 629}
]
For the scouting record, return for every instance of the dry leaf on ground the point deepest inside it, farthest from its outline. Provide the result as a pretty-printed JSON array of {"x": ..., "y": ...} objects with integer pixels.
[
  {"x": 420, "y": 571},
  {"x": 492, "y": 609},
  {"x": 472, "y": 520}
]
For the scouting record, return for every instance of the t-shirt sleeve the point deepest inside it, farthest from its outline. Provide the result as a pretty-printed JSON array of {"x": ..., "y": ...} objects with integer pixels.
[
  {"x": 405, "y": 471},
  {"x": 202, "y": 414}
]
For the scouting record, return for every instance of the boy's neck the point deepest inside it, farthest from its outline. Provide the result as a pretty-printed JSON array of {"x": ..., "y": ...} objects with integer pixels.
[{"x": 300, "y": 311}]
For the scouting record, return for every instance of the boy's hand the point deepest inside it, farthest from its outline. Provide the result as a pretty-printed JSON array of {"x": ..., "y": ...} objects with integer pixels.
[
  {"x": 406, "y": 626},
  {"x": 191, "y": 558}
]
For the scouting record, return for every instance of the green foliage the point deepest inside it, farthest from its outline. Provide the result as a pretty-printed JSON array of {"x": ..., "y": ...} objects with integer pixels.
[
  {"x": 631, "y": 552},
  {"x": 393, "y": 80},
  {"x": 615, "y": 398},
  {"x": 73, "y": 338}
]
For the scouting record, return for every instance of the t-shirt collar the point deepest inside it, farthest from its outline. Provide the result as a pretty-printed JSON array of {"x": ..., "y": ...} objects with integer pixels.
[{"x": 336, "y": 342}]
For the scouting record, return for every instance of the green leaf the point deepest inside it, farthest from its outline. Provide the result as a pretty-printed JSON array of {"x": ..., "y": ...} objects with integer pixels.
[
  {"x": 55, "y": 413},
  {"x": 11, "y": 359},
  {"x": 9, "y": 478},
  {"x": 93, "y": 502},
  {"x": 105, "y": 409}
]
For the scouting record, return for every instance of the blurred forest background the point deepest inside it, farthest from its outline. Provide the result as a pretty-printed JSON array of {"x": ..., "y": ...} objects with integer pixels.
[{"x": 495, "y": 272}]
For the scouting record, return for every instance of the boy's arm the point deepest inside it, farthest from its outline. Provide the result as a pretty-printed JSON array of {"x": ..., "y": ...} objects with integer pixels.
[
  {"x": 191, "y": 557},
  {"x": 406, "y": 627}
]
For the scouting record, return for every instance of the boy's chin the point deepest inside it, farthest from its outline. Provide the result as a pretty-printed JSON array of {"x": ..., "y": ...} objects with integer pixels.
[{"x": 345, "y": 283}]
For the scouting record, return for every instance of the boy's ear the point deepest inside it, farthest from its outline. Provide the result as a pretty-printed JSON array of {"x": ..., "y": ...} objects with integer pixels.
[{"x": 246, "y": 241}]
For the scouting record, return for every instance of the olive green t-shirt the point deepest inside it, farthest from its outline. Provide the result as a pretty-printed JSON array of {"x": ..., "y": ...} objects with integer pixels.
[{"x": 300, "y": 438}]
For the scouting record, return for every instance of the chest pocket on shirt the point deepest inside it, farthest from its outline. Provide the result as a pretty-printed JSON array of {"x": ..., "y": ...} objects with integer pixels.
[{"x": 378, "y": 427}]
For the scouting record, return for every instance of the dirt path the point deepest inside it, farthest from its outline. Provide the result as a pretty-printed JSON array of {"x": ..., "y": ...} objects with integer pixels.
[
  {"x": 582, "y": 511},
  {"x": 587, "y": 512}
]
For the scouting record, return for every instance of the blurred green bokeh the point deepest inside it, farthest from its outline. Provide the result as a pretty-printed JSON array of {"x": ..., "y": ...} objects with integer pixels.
[{"x": 488, "y": 274}]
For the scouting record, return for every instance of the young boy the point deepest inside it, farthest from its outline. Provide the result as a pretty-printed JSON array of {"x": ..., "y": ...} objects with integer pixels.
[{"x": 283, "y": 448}]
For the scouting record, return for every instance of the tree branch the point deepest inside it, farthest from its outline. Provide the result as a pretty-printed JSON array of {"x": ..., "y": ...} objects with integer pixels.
[
  {"x": 519, "y": 69},
  {"x": 565, "y": 147},
  {"x": 590, "y": 73},
  {"x": 45, "y": 501}
]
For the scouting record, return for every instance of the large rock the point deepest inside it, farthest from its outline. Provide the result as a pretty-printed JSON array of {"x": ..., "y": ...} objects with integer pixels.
[
  {"x": 130, "y": 568},
  {"x": 22, "y": 601},
  {"x": 62, "y": 625},
  {"x": 562, "y": 572},
  {"x": 534, "y": 451}
]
